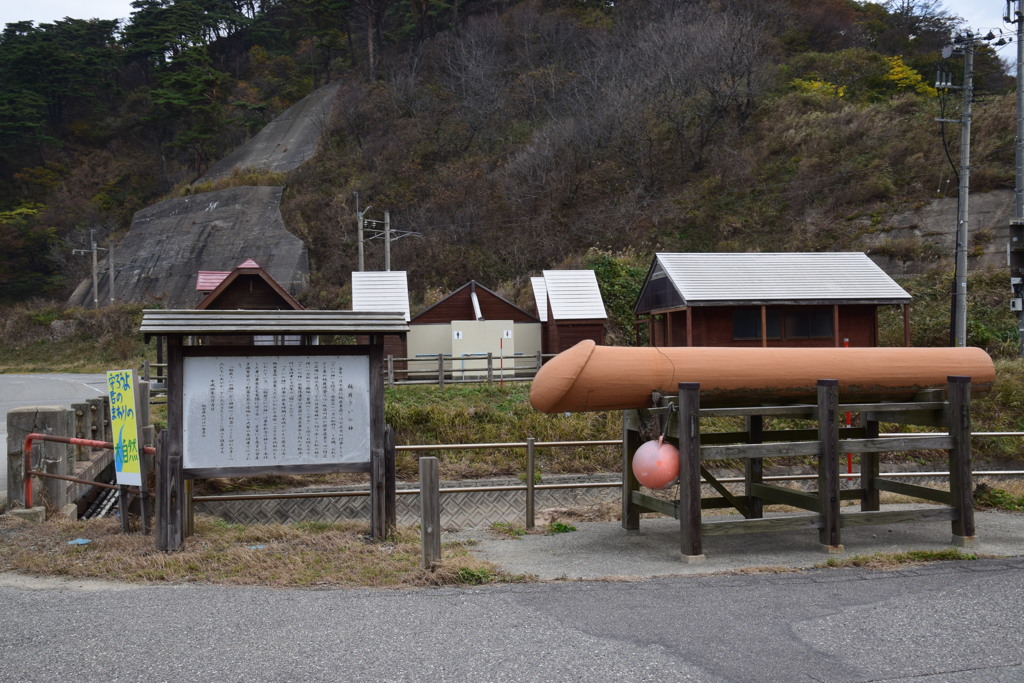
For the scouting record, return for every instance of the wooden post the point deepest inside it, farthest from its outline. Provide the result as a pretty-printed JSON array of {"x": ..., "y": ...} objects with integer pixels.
[
  {"x": 378, "y": 438},
  {"x": 430, "y": 512},
  {"x": 828, "y": 464},
  {"x": 390, "y": 480},
  {"x": 960, "y": 485},
  {"x": 764, "y": 327},
  {"x": 440, "y": 370},
  {"x": 690, "y": 543},
  {"x": 869, "y": 472},
  {"x": 378, "y": 529},
  {"x": 162, "y": 494},
  {"x": 391, "y": 371},
  {"x": 630, "y": 442},
  {"x": 171, "y": 486},
  {"x": 122, "y": 506},
  {"x": 753, "y": 468},
  {"x": 530, "y": 473}
]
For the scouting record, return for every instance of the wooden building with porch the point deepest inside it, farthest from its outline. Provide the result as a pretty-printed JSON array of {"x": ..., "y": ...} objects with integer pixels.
[{"x": 803, "y": 299}]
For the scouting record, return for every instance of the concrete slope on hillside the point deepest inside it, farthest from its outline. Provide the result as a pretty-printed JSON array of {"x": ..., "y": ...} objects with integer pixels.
[
  {"x": 284, "y": 143},
  {"x": 157, "y": 261},
  {"x": 917, "y": 241}
]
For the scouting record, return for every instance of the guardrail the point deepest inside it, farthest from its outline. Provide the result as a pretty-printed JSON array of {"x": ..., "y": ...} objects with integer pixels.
[{"x": 74, "y": 441}]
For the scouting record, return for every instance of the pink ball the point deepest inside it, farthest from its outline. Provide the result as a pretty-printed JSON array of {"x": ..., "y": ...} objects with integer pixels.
[{"x": 656, "y": 464}]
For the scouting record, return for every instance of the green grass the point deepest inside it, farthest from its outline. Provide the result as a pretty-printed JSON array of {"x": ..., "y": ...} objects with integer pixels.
[{"x": 987, "y": 497}]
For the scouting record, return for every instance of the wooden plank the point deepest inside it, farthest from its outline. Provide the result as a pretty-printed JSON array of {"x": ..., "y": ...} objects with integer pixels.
[
  {"x": 690, "y": 543},
  {"x": 755, "y": 526},
  {"x": 255, "y": 471},
  {"x": 390, "y": 480},
  {"x": 828, "y": 463},
  {"x": 162, "y": 491},
  {"x": 630, "y": 484},
  {"x": 908, "y": 406},
  {"x": 870, "y": 467},
  {"x": 854, "y": 519},
  {"x": 901, "y": 443},
  {"x": 378, "y": 530},
  {"x": 921, "y": 418},
  {"x": 767, "y": 450},
  {"x": 784, "y": 496},
  {"x": 960, "y": 484},
  {"x": 735, "y": 502},
  {"x": 430, "y": 512},
  {"x": 753, "y": 468},
  {"x": 800, "y": 410},
  {"x": 914, "y": 491},
  {"x": 647, "y": 503},
  {"x": 174, "y": 510},
  {"x": 774, "y": 436}
]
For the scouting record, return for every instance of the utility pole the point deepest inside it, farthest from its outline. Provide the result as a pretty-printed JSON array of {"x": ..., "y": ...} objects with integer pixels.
[
  {"x": 1015, "y": 249},
  {"x": 387, "y": 241},
  {"x": 960, "y": 327},
  {"x": 110, "y": 269},
  {"x": 95, "y": 267},
  {"x": 377, "y": 230}
]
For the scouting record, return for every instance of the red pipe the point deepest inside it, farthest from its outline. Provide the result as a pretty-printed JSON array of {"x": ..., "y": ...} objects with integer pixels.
[{"x": 27, "y": 454}]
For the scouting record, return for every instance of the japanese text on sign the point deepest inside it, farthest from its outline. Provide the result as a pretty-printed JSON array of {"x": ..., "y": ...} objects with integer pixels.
[
  {"x": 121, "y": 389},
  {"x": 253, "y": 411}
]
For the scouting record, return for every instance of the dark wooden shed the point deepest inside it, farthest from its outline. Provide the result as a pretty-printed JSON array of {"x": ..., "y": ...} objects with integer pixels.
[{"x": 774, "y": 299}]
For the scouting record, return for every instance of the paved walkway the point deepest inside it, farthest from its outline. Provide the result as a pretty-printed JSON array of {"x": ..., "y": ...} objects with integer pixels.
[{"x": 604, "y": 549}]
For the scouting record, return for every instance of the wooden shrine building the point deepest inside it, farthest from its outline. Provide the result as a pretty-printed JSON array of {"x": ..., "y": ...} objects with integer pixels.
[{"x": 776, "y": 299}]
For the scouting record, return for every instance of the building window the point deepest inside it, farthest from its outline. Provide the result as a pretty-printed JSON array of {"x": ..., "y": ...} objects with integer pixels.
[
  {"x": 812, "y": 324},
  {"x": 808, "y": 324},
  {"x": 746, "y": 323}
]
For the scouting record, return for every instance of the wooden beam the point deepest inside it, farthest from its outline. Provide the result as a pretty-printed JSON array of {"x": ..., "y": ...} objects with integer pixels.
[
  {"x": 828, "y": 463},
  {"x": 835, "y": 325},
  {"x": 914, "y": 491},
  {"x": 771, "y": 493},
  {"x": 724, "y": 492},
  {"x": 753, "y": 468},
  {"x": 630, "y": 484},
  {"x": 764, "y": 327},
  {"x": 960, "y": 485},
  {"x": 854, "y": 519},
  {"x": 690, "y": 543},
  {"x": 753, "y": 526}
]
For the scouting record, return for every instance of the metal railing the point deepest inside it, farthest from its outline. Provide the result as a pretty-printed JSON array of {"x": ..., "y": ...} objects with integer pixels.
[
  {"x": 531, "y": 487},
  {"x": 482, "y": 368},
  {"x": 74, "y": 441}
]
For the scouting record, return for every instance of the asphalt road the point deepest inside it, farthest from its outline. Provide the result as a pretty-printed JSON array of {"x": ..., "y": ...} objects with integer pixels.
[
  {"x": 20, "y": 391},
  {"x": 957, "y": 621}
]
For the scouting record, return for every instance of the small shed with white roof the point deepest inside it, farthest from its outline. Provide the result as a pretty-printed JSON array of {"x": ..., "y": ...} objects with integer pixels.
[
  {"x": 767, "y": 299},
  {"x": 570, "y": 308},
  {"x": 382, "y": 291}
]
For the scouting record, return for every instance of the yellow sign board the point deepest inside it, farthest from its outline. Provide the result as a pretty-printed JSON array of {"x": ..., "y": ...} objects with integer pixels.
[{"x": 123, "y": 414}]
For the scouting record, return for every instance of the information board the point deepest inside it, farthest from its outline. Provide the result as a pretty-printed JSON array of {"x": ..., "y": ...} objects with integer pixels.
[{"x": 259, "y": 411}]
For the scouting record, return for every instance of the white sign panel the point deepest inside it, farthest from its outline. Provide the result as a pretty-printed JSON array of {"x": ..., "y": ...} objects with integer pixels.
[{"x": 257, "y": 411}]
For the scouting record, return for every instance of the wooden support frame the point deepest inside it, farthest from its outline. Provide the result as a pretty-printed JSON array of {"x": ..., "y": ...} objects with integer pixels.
[{"x": 755, "y": 443}]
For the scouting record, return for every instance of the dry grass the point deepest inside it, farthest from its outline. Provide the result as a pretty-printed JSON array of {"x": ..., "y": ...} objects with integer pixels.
[
  {"x": 911, "y": 558},
  {"x": 308, "y": 554}
]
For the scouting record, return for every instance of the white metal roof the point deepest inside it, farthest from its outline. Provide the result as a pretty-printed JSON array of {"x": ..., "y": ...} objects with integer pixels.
[
  {"x": 574, "y": 295},
  {"x": 540, "y": 296},
  {"x": 777, "y": 277},
  {"x": 190, "y": 321},
  {"x": 381, "y": 291}
]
